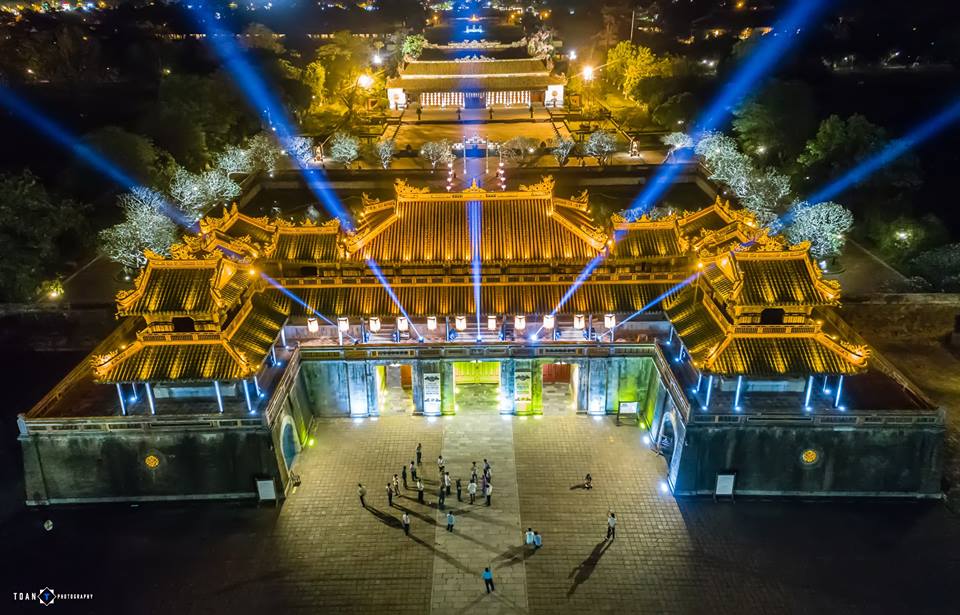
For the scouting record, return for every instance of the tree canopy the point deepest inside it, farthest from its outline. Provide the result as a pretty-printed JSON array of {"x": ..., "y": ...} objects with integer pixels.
[{"x": 775, "y": 125}]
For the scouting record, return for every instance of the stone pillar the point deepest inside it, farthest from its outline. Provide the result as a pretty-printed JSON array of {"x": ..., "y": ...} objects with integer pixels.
[
  {"x": 508, "y": 404},
  {"x": 523, "y": 386},
  {"x": 360, "y": 388},
  {"x": 536, "y": 387},
  {"x": 597, "y": 386},
  {"x": 416, "y": 386},
  {"x": 582, "y": 382},
  {"x": 448, "y": 395}
]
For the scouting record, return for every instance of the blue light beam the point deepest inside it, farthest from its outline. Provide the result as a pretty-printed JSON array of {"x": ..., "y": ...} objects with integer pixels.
[
  {"x": 769, "y": 50},
  {"x": 268, "y": 106},
  {"x": 92, "y": 158},
  {"x": 891, "y": 152},
  {"x": 375, "y": 268}
]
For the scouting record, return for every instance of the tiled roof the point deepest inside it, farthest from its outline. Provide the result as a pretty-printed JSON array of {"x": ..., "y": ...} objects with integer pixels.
[
  {"x": 771, "y": 356},
  {"x": 479, "y": 67},
  {"x": 476, "y": 84},
  {"x": 300, "y": 246},
  {"x": 165, "y": 362},
  {"x": 786, "y": 280},
  {"x": 700, "y": 331},
  {"x": 649, "y": 242},
  {"x": 524, "y": 229},
  {"x": 173, "y": 290},
  {"x": 430, "y": 300},
  {"x": 258, "y": 329}
]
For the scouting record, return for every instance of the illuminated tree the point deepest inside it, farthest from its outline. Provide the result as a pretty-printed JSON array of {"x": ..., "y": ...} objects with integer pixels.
[
  {"x": 562, "y": 150},
  {"x": 601, "y": 145},
  {"x": 315, "y": 78},
  {"x": 263, "y": 152},
  {"x": 724, "y": 161},
  {"x": 518, "y": 150},
  {"x": 540, "y": 44},
  {"x": 198, "y": 193},
  {"x": 413, "y": 46},
  {"x": 300, "y": 150},
  {"x": 765, "y": 194},
  {"x": 344, "y": 148},
  {"x": 824, "y": 225},
  {"x": 437, "y": 152},
  {"x": 677, "y": 140},
  {"x": 385, "y": 152},
  {"x": 145, "y": 227},
  {"x": 235, "y": 159}
]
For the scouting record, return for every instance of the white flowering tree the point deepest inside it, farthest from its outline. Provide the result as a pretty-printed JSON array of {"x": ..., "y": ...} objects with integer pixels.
[
  {"x": 724, "y": 161},
  {"x": 197, "y": 193},
  {"x": 235, "y": 159},
  {"x": 540, "y": 44},
  {"x": 437, "y": 152},
  {"x": 562, "y": 149},
  {"x": 385, "y": 150},
  {"x": 601, "y": 145},
  {"x": 300, "y": 150},
  {"x": 677, "y": 140},
  {"x": 344, "y": 148},
  {"x": 263, "y": 152},
  {"x": 147, "y": 226},
  {"x": 765, "y": 194},
  {"x": 824, "y": 225},
  {"x": 518, "y": 150}
]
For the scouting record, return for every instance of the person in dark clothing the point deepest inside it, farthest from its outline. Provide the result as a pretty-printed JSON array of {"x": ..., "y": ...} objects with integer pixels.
[
  {"x": 389, "y": 495},
  {"x": 459, "y": 491},
  {"x": 403, "y": 474}
]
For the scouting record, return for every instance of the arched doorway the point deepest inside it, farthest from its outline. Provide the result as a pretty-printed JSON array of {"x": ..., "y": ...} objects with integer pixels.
[{"x": 289, "y": 443}]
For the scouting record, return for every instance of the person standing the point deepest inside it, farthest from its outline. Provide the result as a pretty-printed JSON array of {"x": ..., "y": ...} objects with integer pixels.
[
  {"x": 446, "y": 481},
  {"x": 491, "y": 113},
  {"x": 420, "y": 491},
  {"x": 419, "y": 113},
  {"x": 440, "y": 465},
  {"x": 483, "y": 484},
  {"x": 413, "y": 471},
  {"x": 486, "y": 466},
  {"x": 362, "y": 492},
  {"x": 405, "y": 520},
  {"x": 459, "y": 491},
  {"x": 474, "y": 473},
  {"x": 488, "y": 580},
  {"x": 528, "y": 537},
  {"x": 459, "y": 117},
  {"x": 488, "y": 492},
  {"x": 441, "y": 496},
  {"x": 611, "y": 526},
  {"x": 450, "y": 521},
  {"x": 396, "y": 485},
  {"x": 537, "y": 541},
  {"x": 389, "y": 495},
  {"x": 419, "y": 453},
  {"x": 404, "y": 474},
  {"x": 472, "y": 490}
]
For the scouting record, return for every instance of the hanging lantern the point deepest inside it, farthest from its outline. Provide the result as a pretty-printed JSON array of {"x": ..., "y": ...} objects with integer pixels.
[
  {"x": 402, "y": 323},
  {"x": 491, "y": 323},
  {"x": 461, "y": 323},
  {"x": 579, "y": 321},
  {"x": 548, "y": 321},
  {"x": 609, "y": 321},
  {"x": 343, "y": 323},
  {"x": 374, "y": 323},
  {"x": 519, "y": 322},
  {"x": 432, "y": 323},
  {"x": 312, "y": 325}
]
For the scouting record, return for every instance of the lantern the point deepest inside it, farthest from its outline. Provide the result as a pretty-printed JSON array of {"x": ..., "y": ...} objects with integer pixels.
[
  {"x": 432, "y": 323},
  {"x": 374, "y": 323},
  {"x": 461, "y": 323},
  {"x": 519, "y": 322},
  {"x": 548, "y": 321},
  {"x": 312, "y": 325},
  {"x": 609, "y": 321},
  {"x": 343, "y": 323},
  {"x": 491, "y": 323},
  {"x": 579, "y": 321},
  {"x": 402, "y": 323}
]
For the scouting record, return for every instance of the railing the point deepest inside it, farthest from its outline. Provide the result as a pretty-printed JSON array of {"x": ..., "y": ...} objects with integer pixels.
[
  {"x": 854, "y": 419},
  {"x": 776, "y": 329},
  {"x": 181, "y": 337},
  {"x": 496, "y": 350},
  {"x": 669, "y": 379},
  {"x": 504, "y": 279},
  {"x": 137, "y": 423}
]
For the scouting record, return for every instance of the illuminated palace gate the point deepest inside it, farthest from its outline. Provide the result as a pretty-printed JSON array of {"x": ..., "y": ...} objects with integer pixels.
[{"x": 436, "y": 381}]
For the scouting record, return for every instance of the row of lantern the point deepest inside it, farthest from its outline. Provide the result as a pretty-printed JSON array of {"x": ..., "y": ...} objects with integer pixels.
[{"x": 460, "y": 323}]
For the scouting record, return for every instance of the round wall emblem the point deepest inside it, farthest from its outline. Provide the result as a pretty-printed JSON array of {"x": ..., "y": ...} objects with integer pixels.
[
  {"x": 151, "y": 461},
  {"x": 809, "y": 457}
]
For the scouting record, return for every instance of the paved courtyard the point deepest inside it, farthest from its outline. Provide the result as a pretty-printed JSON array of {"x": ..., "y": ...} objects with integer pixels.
[{"x": 322, "y": 553}]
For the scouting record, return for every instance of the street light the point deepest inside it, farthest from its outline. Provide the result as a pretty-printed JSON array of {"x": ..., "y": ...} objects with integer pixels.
[
  {"x": 588, "y": 73},
  {"x": 365, "y": 81},
  {"x": 377, "y": 60},
  {"x": 573, "y": 54}
]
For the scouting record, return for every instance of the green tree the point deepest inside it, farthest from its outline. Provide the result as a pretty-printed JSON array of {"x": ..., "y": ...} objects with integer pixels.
[
  {"x": 619, "y": 58},
  {"x": 676, "y": 112},
  {"x": 315, "y": 78},
  {"x": 840, "y": 144},
  {"x": 259, "y": 36},
  {"x": 37, "y": 230},
  {"x": 775, "y": 125},
  {"x": 601, "y": 145},
  {"x": 413, "y": 46}
]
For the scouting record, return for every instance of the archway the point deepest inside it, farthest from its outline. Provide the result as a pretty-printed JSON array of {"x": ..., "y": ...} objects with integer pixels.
[{"x": 289, "y": 443}]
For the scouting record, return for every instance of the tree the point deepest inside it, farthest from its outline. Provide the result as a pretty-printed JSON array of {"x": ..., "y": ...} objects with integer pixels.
[
  {"x": 385, "y": 152},
  {"x": 824, "y": 225},
  {"x": 678, "y": 110},
  {"x": 601, "y": 145},
  {"x": 608, "y": 35},
  {"x": 518, "y": 150},
  {"x": 676, "y": 141},
  {"x": 300, "y": 151},
  {"x": 540, "y": 43},
  {"x": 196, "y": 194},
  {"x": 562, "y": 149},
  {"x": 940, "y": 267},
  {"x": 315, "y": 78},
  {"x": 259, "y": 36},
  {"x": 840, "y": 144},
  {"x": 619, "y": 58},
  {"x": 139, "y": 158},
  {"x": 776, "y": 124},
  {"x": 263, "y": 152},
  {"x": 146, "y": 226},
  {"x": 724, "y": 161},
  {"x": 437, "y": 152},
  {"x": 235, "y": 159},
  {"x": 37, "y": 230},
  {"x": 344, "y": 148},
  {"x": 413, "y": 46},
  {"x": 766, "y": 194}
]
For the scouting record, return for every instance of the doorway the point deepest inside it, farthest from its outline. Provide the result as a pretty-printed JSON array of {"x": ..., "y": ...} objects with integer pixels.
[
  {"x": 559, "y": 389},
  {"x": 396, "y": 389},
  {"x": 477, "y": 386},
  {"x": 289, "y": 444}
]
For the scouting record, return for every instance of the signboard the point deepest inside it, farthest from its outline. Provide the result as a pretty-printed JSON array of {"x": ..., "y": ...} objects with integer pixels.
[
  {"x": 629, "y": 407},
  {"x": 266, "y": 490},
  {"x": 522, "y": 386},
  {"x": 725, "y": 483},
  {"x": 431, "y": 393}
]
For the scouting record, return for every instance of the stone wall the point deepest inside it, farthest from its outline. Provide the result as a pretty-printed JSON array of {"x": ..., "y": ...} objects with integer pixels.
[
  {"x": 855, "y": 461},
  {"x": 112, "y": 466}
]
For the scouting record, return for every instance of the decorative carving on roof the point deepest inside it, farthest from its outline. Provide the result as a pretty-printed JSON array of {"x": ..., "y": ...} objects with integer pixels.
[
  {"x": 582, "y": 198},
  {"x": 474, "y": 58},
  {"x": 405, "y": 190},
  {"x": 545, "y": 185},
  {"x": 369, "y": 201},
  {"x": 475, "y": 189}
]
